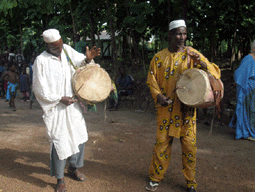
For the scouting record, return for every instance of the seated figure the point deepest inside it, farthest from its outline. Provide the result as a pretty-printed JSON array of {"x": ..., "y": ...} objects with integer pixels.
[{"x": 125, "y": 85}]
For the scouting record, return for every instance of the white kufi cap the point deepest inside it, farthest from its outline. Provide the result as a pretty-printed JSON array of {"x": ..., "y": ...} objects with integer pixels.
[
  {"x": 51, "y": 35},
  {"x": 176, "y": 23}
]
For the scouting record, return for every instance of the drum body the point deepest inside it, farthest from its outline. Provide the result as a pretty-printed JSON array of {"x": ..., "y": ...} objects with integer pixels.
[
  {"x": 194, "y": 89},
  {"x": 91, "y": 83}
]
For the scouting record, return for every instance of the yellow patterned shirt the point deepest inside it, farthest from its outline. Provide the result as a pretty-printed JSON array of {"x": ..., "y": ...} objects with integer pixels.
[{"x": 165, "y": 70}]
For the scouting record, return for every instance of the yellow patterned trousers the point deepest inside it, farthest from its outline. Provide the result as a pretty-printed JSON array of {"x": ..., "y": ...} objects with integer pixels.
[{"x": 162, "y": 153}]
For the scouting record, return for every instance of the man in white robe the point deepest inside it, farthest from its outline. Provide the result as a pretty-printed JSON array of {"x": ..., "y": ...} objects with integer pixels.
[{"x": 52, "y": 77}]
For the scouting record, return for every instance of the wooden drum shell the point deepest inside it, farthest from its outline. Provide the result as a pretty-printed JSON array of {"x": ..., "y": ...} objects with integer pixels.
[
  {"x": 193, "y": 88},
  {"x": 91, "y": 83}
]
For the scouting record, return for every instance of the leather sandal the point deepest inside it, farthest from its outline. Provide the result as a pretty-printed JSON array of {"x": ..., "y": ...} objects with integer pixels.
[
  {"x": 77, "y": 175},
  {"x": 61, "y": 186}
]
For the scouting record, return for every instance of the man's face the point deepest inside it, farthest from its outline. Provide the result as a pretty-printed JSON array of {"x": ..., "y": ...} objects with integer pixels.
[
  {"x": 55, "y": 48},
  {"x": 179, "y": 37}
]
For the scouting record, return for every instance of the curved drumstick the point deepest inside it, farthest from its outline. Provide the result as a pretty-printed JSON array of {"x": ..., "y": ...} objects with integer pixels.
[
  {"x": 77, "y": 91},
  {"x": 97, "y": 65}
]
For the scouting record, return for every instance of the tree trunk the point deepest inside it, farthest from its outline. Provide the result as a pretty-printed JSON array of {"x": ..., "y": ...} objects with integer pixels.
[
  {"x": 169, "y": 20},
  {"x": 114, "y": 50},
  {"x": 220, "y": 49},
  {"x": 212, "y": 47},
  {"x": 156, "y": 43},
  {"x": 74, "y": 30},
  {"x": 134, "y": 47},
  {"x": 143, "y": 57},
  {"x": 92, "y": 35},
  {"x": 185, "y": 4},
  {"x": 124, "y": 48},
  {"x": 234, "y": 35},
  {"x": 99, "y": 44},
  {"x": 247, "y": 48},
  {"x": 21, "y": 38},
  {"x": 229, "y": 48}
]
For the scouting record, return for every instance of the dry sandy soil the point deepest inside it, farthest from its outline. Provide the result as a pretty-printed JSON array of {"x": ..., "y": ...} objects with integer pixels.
[{"x": 118, "y": 154}]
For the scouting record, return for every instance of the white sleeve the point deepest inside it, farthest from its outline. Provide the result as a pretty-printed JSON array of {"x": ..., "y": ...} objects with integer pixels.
[{"x": 41, "y": 87}]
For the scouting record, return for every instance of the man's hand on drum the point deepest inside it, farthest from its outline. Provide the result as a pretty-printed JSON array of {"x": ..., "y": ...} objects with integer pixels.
[
  {"x": 68, "y": 100},
  {"x": 163, "y": 100},
  {"x": 196, "y": 58},
  {"x": 92, "y": 53}
]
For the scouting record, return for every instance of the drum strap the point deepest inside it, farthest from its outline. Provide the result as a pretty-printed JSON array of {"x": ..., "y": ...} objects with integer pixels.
[
  {"x": 69, "y": 59},
  {"x": 188, "y": 57},
  {"x": 217, "y": 88},
  {"x": 216, "y": 85}
]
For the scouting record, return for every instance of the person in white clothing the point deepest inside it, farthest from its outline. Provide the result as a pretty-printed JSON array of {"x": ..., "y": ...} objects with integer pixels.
[{"x": 52, "y": 77}]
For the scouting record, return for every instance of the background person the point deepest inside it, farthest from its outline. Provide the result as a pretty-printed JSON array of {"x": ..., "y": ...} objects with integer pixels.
[
  {"x": 80, "y": 45},
  {"x": 125, "y": 85},
  {"x": 243, "y": 119},
  {"x": 24, "y": 84},
  {"x": 12, "y": 77}
]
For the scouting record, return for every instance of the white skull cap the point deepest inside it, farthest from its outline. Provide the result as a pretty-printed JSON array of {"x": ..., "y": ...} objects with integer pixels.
[
  {"x": 51, "y": 35},
  {"x": 177, "y": 23}
]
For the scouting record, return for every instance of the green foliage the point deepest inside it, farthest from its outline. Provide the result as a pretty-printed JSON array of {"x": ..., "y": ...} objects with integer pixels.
[
  {"x": 12, "y": 40},
  {"x": 138, "y": 15},
  {"x": 210, "y": 23},
  {"x": 7, "y": 5}
]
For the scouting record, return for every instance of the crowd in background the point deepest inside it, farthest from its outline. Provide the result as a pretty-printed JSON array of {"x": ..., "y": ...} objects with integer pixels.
[
  {"x": 13, "y": 58},
  {"x": 23, "y": 68}
]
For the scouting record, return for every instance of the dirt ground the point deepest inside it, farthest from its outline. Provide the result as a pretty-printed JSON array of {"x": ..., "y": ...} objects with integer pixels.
[{"x": 118, "y": 154}]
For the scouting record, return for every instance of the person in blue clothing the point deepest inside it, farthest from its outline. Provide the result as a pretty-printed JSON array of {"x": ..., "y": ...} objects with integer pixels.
[
  {"x": 125, "y": 82},
  {"x": 12, "y": 76},
  {"x": 80, "y": 45},
  {"x": 125, "y": 85},
  {"x": 24, "y": 84},
  {"x": 243, "y": 119}
]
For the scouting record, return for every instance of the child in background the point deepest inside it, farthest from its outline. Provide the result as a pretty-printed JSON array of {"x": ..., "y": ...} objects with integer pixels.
[
  {"x": 12, "y": 77},
  {"x": 24, "y": 84}
]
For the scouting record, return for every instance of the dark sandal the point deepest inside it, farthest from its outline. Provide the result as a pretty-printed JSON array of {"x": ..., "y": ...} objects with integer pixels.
[
  {"x": 60, "y": 187},
  {"x": 77, "y": 175}
]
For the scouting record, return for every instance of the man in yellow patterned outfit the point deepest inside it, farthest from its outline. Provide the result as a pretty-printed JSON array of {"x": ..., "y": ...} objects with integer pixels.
[{"x": 174, "y": 119}]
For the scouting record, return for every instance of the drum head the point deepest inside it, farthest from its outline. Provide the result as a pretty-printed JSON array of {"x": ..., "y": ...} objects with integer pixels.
[
  {"x": 92, "y": 83},
  {"x": 192, "y": 86}
]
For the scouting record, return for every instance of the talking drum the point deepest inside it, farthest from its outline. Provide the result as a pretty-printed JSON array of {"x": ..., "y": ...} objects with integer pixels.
[
  {"x": 91, "y": 83},
  {"x": 194, "y": 88}
]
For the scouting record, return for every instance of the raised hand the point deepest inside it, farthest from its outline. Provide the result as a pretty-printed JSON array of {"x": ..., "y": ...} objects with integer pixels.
[
  {"x": 92, "y": 53},
  {"x": 196, "y": 58}
]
